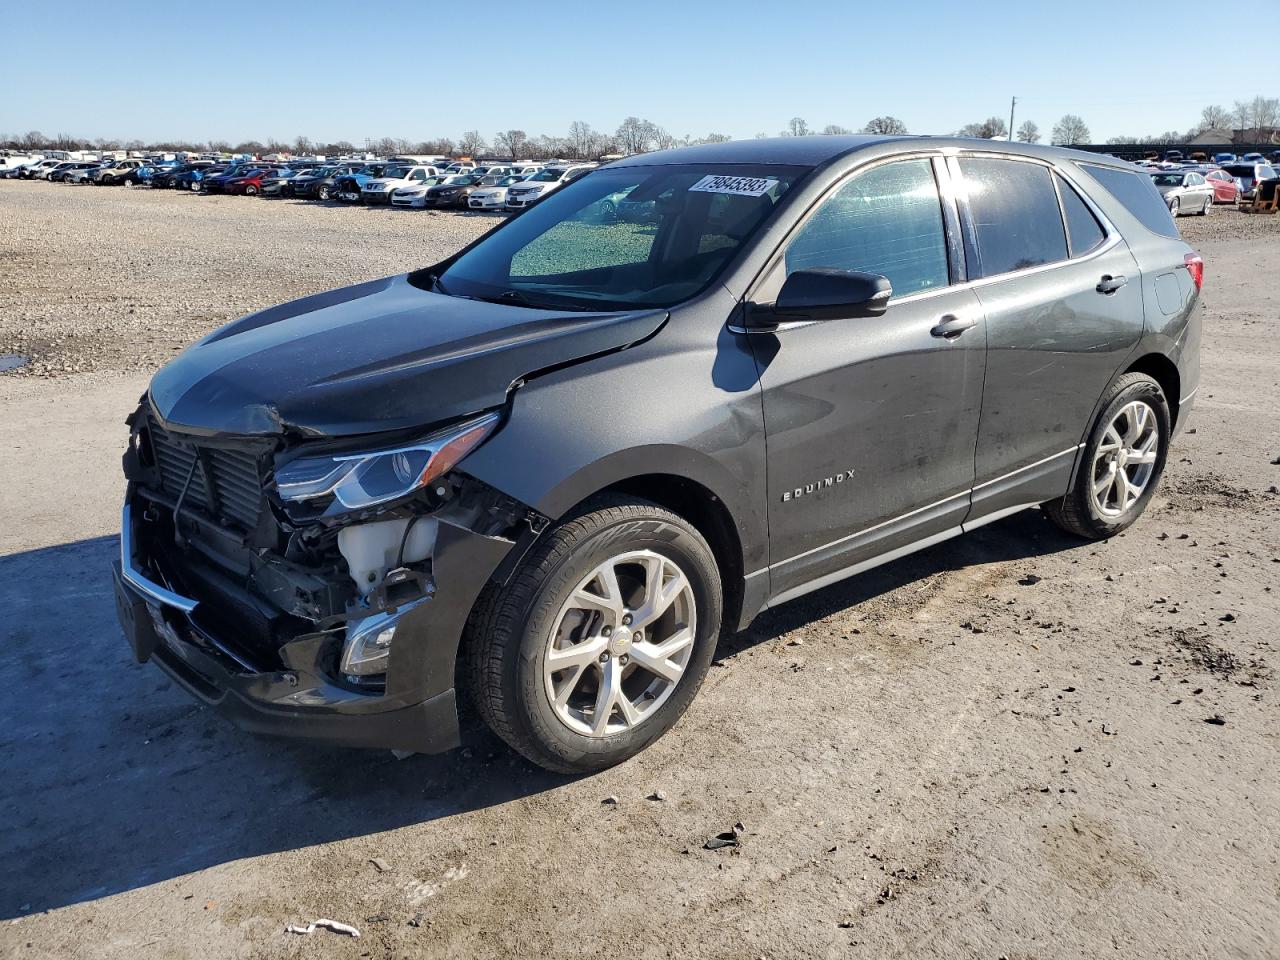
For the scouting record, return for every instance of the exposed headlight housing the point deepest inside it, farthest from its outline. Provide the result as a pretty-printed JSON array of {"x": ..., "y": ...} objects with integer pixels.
[{"x": 363, "y": 480}]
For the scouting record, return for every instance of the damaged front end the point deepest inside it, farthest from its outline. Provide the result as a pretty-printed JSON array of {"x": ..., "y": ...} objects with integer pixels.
[{"x": 313, "y": 588}]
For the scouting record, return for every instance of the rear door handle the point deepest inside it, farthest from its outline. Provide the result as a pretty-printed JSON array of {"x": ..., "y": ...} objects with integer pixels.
[
  {"x": 1110, "y": 284},
  {"x": 951, "y": 326}
]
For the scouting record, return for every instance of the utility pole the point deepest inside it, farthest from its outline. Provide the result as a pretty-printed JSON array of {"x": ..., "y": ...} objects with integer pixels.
[{"x": 1013, "y": 103}]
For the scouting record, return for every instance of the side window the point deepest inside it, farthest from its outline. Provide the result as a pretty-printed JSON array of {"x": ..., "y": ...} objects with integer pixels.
[
  {"x": 1084, "y": 233},
  {"x": 1015, "y": 214},
  {"x": 886, "y": 221},
  {"x": 1138, "y": 195},
  {"x": 418, "y": 175}
]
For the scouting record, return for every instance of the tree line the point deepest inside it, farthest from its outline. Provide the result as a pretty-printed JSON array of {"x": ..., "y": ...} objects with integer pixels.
[{"x": 1256, "y": 121}]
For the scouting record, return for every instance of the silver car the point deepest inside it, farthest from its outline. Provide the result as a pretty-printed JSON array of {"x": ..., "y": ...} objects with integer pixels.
[{"x": 1185, "y": 191}]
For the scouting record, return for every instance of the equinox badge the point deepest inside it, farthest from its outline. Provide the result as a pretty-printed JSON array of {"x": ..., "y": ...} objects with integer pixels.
[{"x": 822, "y": 484}]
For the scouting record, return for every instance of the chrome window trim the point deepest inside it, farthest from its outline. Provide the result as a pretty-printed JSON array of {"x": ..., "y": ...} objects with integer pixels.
[{"x": 952, "y": 189}]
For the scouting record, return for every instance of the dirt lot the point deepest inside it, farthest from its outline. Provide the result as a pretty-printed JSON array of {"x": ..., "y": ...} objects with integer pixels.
[{"x": 997, "y": 748}]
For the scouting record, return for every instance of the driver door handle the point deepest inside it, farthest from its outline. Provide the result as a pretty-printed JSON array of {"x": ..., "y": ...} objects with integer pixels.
[
  {"x": 1110, "y": 284},
  {"x": 950, "y": 326}
]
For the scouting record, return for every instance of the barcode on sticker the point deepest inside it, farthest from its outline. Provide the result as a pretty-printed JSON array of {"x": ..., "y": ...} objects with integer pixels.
[{"x": 742, "y": 186}]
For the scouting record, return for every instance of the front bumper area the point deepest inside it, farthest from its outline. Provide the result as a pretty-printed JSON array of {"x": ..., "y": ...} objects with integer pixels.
[
  {"x": 296, "y": 689},
  {"x": 260, "y": 702}
]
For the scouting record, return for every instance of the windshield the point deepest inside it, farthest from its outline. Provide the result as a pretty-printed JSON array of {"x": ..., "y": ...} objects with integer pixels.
[
  {"x": 396, "y": 173},
  {"x": 1168, "y": 179},
  {"x": 508, "y": 181},
  {"x": 547, "y": 176},
  {"x": 570, "y": 251}
]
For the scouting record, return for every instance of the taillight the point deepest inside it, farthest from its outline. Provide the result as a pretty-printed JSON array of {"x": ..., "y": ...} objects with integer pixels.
[{"x": 1195, "y": 266}]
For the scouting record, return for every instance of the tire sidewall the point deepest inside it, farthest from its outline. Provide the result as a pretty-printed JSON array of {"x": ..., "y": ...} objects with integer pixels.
[
  {"x": 1148, "y": 391},
  {"x": 525, "y": 672}
]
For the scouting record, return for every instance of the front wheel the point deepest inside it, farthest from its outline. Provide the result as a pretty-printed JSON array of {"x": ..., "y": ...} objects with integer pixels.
[
  {"x": 325, "y": 193},
  {"x": 598, "y": 644},
  {"x": 1121, "y": 462},
  {"x": 250, "y": 190}
]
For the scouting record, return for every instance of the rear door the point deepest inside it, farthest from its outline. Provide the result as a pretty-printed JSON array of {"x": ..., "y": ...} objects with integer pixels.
[
  {"x": 871, "y": 422},
  {"x": 1062, "y": 296}
]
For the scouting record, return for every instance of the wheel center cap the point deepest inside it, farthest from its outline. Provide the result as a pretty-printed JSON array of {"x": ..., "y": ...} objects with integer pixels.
[
  {"x": 619, "y": 643},
  {"x": 1122, "y": 458}
]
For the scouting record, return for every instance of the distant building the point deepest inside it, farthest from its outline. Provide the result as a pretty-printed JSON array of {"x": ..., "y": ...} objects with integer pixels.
[
  {"x": 1256, "y": 135},
  {"x": 1212, "y": 136}
]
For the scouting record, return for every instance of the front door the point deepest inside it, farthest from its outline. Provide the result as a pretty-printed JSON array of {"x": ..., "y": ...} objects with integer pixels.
[{"x": 871, "y": 423}]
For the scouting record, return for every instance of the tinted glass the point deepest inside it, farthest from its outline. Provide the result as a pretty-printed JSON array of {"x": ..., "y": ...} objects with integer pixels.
[
  {"x": 887, "y": 221},
  {"x": 1015, "y": 213},
  {"x": 1083, "y": 230},
  {"x": 1138, "y": 195},
  {"x": 565, "y": 251}
]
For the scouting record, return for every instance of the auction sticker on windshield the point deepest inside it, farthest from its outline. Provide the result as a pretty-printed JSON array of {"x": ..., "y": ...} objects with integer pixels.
[{"x": 741, "y": 186}]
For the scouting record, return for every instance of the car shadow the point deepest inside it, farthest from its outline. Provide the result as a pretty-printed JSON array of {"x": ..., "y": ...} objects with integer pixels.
[{"x": 116, "y": 779}]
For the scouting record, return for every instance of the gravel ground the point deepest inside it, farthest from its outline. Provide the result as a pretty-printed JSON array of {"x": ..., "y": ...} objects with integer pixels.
[
  {"x": 108, "y": 278},
  {"x": 1005, "y": 746}
]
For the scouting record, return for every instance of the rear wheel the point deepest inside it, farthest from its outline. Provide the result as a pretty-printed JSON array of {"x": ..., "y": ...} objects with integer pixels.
[
  {"x": 1173, "y": 206},
  {"x": 1208, "y": 202},
  {"x": 600, "y": 641},
  {"x": 1121, "y": 463}
]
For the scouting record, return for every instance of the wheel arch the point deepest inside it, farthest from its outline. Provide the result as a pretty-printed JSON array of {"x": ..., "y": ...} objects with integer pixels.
[{"x": 1164, "y": 372}]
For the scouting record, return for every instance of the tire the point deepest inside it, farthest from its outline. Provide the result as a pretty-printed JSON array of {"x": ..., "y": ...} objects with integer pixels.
[
  {"x": 1173, "y": 207},
  {"x": 514, "y": 629},
  {"x": 250, "y": 190},
  {"x": 325, "y": 193},
  {"x": 1097, "y": 517},
  {"x": 1204, "y": 211}
]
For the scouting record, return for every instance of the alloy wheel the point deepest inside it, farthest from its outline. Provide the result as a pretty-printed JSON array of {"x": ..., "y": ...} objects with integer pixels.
[
  {"x": 1125, "y": 460},
  {"x": 1173, "y": 206},
  {"x": 621, "y": 644}
]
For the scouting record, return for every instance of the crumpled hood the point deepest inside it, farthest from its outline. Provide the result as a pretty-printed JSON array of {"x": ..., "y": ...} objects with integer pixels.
[{"x": 382, "y": 355}]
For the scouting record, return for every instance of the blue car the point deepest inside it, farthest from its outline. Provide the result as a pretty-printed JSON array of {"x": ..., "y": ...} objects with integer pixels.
[
  {"x": 216, "y": 182},
  {"x": 1224, "y": 158},
  {"x": 347, "y": 187}
]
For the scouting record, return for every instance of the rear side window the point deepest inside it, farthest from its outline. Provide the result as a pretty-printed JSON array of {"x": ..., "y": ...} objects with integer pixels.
[
  {"x": 1138, "y": 195},
  {"x": 1015, "y": 214},
  {"x": 887, "y": 221},
  {"x": 1084, "y": 233}
]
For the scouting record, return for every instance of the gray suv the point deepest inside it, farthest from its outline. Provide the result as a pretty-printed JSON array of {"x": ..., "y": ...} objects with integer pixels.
[{"x": 547, "y": 474}]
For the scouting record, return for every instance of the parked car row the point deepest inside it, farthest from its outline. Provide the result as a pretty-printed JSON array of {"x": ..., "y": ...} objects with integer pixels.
[
  {"x": 397, "y": 183},
  {"x": 1196, "y": 188}
]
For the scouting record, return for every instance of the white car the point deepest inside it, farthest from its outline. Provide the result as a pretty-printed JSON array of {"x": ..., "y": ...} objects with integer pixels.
[
  {"x": 42, "y": 169},
  {"x": 380, "y": 189},
  {"x": 495, "y": 197},
  {"x": 544, "y": 182},
  {"x": 415, "y": 195}
]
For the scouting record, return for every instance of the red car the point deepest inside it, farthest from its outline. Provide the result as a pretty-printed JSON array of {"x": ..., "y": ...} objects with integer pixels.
[
  {"x": 250, "y": 183},
  {"x": 1225, "y": 188}
]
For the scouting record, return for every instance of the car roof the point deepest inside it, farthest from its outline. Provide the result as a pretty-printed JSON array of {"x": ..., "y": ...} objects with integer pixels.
[{"x": 820, "y": 150}]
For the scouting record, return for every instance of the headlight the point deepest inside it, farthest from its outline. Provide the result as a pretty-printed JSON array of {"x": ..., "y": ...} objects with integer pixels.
[{"x": 366, "y": 479}]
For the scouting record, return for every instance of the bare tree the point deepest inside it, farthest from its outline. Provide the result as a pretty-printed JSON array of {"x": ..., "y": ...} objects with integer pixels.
[
  {"x": 34, "y": 138},
  {"x": 797, "y": 127},
  {"x": 1214, "y": 117},
  {"x": 888, "y": 126},
  {"x": 582, "y": 140},
  {"x": 471, "y": 144},
  {"x": 636, "y": 135},
  {"x": 1028, "y": 132},
  {"x": 661, "y": 139},
  {"x": 1070, "y": 130},
  {"x": 835, "y": 130},
  {"x": 715, "y": 138},
  {"x": 987, "y": 129},
  {"x": 512, "y": 143}
]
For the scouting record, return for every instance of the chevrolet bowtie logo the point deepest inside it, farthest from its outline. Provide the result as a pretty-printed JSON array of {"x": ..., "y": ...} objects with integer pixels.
[{"x": 822, "y": 484}]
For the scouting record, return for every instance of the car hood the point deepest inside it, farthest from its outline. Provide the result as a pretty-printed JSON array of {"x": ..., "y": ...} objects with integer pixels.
[{"x": 382, "y": 355}]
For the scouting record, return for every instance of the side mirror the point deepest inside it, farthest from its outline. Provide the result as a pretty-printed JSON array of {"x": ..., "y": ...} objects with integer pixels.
[{"x": 826, "y": 294}]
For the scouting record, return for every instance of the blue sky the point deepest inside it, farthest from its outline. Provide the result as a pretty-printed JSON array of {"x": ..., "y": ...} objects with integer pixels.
[{"x": 331, "y": 70}]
